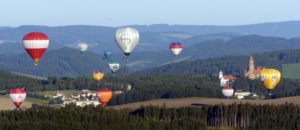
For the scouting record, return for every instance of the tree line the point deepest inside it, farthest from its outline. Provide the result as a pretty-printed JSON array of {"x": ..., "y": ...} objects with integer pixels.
[
  {"x": 147, "y": 87},
  {"x": 234, "y": 116}
]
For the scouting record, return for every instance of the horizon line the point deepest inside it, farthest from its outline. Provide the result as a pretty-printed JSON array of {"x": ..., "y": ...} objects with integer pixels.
[{"x": 155, "y": 24}]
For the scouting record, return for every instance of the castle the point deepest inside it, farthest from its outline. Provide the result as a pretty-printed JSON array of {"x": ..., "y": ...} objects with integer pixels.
[{"x": 253, "y": 72}]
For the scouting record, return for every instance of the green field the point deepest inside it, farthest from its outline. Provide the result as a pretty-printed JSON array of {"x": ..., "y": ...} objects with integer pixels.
[
  {"x": 291, "y": 71},
  {"x": 66, "y": 92}
]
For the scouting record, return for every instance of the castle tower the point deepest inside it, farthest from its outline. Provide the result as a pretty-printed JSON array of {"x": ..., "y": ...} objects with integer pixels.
[{"x": 251, "y": 64}]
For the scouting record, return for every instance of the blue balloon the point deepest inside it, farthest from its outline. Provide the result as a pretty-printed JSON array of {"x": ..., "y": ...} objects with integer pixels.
[{"x": 107, "y": 54}]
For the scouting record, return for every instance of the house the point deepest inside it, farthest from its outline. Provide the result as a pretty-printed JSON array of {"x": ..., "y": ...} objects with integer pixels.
[
  {"x": 240, "y": 94},
  {"x": 117, "y": 92},
  {"x": 226, "y": 80}
]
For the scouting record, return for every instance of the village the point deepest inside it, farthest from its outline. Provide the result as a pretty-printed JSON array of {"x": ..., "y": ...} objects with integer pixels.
[{"x": 83, "y": 98}]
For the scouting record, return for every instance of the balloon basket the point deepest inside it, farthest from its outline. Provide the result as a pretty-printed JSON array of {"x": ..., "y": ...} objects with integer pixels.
[{"x": 18, "y": 109}]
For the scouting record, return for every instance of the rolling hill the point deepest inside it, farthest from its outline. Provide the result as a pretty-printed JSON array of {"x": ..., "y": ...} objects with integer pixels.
[
  {"x": 99, "y": 38},
  {"x": 153, "y": 37},
  {"x": 62, "y": 62},
  {"x": 230, "y": 64},
  {"x": 68, "y": 61}
]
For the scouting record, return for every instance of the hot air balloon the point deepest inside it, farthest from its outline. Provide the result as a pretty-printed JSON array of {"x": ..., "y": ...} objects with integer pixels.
[
  {"x": 227, "y": 91},
  {"x": 175, "y": 48},
  {"x": 35, "y": 43},
  {"x": 82, "y": 47},
  {"x": 114, "y": 66},
  {"x": 127, "y": 38},
  {"x": 107, "y": 54},
  {"x": 98, "y": 75},
  {"x": 104, "y": 95},
  {"x": 270, "y": 78},
  {"x": 17, "y": 95}
]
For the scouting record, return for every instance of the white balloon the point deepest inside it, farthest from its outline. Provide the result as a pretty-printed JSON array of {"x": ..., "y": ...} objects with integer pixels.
[
  {"x": 83, "y": 47},
  {"x": 114, "y": 67},
  {"x": 127, "y": 38}
]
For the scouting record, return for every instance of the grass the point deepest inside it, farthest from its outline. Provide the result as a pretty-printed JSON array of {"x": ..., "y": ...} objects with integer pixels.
[
  {"x": 291, "y": 71},
  {"x": 37, "y": 101}
]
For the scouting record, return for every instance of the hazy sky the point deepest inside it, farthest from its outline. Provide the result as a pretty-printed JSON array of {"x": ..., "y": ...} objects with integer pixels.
[{"x": 124, "y": 12}]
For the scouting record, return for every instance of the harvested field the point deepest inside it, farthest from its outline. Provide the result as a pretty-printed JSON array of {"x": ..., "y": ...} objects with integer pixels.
[
  {"x": 198, "y": 101},
  {"x": 6, "y": 104}
]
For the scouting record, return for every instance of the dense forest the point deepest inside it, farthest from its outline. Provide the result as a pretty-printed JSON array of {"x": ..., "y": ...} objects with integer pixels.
[
  {"x": 147, "y": 87},
  {"x": 230, "y": 64},
  {"x": 235, "y": 116}
]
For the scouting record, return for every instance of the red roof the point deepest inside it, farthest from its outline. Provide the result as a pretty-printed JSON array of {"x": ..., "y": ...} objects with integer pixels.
[{"x": 229, "y": 77}]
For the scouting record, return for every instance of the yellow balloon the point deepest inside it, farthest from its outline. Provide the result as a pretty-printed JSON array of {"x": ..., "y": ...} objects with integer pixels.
[
  {"x": 98, "y": 75},
  {"x": 270, "y": 78}
]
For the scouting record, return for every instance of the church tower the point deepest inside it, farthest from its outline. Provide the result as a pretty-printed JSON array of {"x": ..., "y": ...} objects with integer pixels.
[
  {"x": 251, "y": 64},
  {"x": 220, "y": 74}
]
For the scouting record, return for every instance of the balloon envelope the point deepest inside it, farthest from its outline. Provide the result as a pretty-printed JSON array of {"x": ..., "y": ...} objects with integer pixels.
[
  {"x": 227, "y": 91},
  {"x": 175, "y": 48},
  {"x": 127, "y": 38},
  {"x": 17, "y": 95},
  {"x": 114, "y": 66},
  {"x": 104, "y": 95},
  {"x": 107, "y": 54},
  {"x": 270, "y": 78},
  {"x": 82, "y": 47},
  {"x": 98, "y": 75},
  {"x": 35, "y": 43}
]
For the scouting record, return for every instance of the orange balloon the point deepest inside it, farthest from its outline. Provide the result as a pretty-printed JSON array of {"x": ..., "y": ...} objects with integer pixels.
[{"x": 104, "y": 95}]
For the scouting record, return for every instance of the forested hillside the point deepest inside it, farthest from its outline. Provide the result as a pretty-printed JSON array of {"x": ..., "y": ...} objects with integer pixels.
[
  {"x": 62, "y": 62},
  {"x": 69, "y": 62},
  {"x": 230, "y": 64}
]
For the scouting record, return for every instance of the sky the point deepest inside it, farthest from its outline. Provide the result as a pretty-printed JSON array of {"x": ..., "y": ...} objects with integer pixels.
[{"x": 145, "y": 12}]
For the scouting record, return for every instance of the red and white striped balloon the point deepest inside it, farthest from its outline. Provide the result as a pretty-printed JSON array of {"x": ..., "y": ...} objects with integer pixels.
[
  {"x": 227, "y": 91},
  {"x": 17, "y": 95},
  {"x": 175, "y": 48},
  {"x": 35, "y": 43}
]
